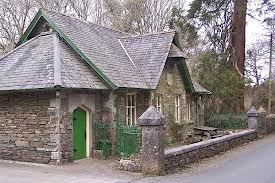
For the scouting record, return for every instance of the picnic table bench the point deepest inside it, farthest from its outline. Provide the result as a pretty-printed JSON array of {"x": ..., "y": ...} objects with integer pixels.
[{"x": 205, "y": 130}]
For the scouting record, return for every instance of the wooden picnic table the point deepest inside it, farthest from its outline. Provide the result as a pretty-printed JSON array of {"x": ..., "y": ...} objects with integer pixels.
[{"x": 205, "y": 130}]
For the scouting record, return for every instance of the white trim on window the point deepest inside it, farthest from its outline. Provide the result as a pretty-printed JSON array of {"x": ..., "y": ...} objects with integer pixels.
[
  {"x": 159, "y": 103},
  {"x": 130, "y": 109},
  {"x": 177, "y": 108}
]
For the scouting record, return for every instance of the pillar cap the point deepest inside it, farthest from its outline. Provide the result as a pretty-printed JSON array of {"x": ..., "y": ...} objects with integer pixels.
[
  {"x": 151, "y": 117},
  {"x": 261, "y": 110},
  {"x": 252, "y": 112}
]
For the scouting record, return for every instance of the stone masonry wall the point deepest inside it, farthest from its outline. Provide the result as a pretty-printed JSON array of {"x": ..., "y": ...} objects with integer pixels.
[
  {"x": 181, "y": 156},
  {"x": 169, "y": 92},
  {"x": 26, "y": 128},
  {"x": 270, "y": 123},
  {"x": 92, "y": 102}
]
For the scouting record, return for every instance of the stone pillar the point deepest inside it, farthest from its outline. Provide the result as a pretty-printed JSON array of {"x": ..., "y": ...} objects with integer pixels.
[
  {"x": 109, "y": 117},
  {"x": 261, "y": 120},
  {"x": 152, "y": 122},
  {"x": 252, "y": 116},
  {"x": 55, "y": 118}
]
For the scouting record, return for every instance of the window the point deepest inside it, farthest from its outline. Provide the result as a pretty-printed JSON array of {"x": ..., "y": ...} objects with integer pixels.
[
  {"x": 130, "y": 107},
  {"x": 188, "y": 107},
  {"x": 159, "y": 105},
  {"x": 177, "y": 108}
]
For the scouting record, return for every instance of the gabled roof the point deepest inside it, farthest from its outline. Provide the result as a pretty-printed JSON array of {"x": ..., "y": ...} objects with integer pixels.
[
  {"x": 118, "y": 59},
  {"x": 200, "y": 89},
  {"x": 175, "y": 52},
  {"x": 45, "y": 62},
  {"x": 149, "y": 53}
]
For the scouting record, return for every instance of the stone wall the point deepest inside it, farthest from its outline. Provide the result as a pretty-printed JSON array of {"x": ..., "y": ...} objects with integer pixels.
[
  {"x": 270, "y": 123},
  {"x": 92, "y": 102},
  {"x": 26, "y": 127},
  {"x": 181, "y": 156},
  {"x": 169, "y": 90}
]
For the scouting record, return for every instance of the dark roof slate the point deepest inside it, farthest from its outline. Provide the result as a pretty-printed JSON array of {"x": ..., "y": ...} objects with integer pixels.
[
  {"x": 199, "y": 89},
  {"x": 149, "y": 53},
  {"x": 175, "y": 52},
  {"x": 102, "y": 47},
  {"x": 31, "y": 66}
]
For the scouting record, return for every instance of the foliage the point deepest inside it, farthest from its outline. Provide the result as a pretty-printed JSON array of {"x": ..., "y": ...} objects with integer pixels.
[
  {"x": 213, "y": 18},
  {"x": 174, "y": 128},
  {"x": 221, "y": 79},
  {"x": 180, "y": 23},
  {"x": 226, "y": 120}
]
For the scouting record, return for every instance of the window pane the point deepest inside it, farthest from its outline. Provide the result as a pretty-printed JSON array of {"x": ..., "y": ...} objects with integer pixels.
[
  {"x": 128, "y": 115},
  {"x": 129, "y": 100},
  {"x": 133, "y": 100},
  {"x": 133, "y": 116}
]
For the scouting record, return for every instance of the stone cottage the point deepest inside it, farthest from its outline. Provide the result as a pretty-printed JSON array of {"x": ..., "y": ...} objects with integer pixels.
[{"x": 66, "y": 74}]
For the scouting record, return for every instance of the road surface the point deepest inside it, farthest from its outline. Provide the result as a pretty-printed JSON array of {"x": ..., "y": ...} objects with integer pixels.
[{"x": 251, "y": 163}]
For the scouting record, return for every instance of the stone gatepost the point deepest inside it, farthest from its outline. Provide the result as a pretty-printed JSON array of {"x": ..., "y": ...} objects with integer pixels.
[
  {"x": 252, "y": 116},
  {"x": 152, "y": 122},
  {"x": 261, "y": 120}
]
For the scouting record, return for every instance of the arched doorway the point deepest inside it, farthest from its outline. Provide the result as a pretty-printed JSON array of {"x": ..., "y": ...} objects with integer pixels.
[{"x": 79, "y": 134}]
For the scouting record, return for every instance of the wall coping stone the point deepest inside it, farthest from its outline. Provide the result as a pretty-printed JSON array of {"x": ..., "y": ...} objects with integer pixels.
[
  {"x": 270, "y": 116},
  {"x": 188, "y": 148},
  {"x": 252, "y": 112}
]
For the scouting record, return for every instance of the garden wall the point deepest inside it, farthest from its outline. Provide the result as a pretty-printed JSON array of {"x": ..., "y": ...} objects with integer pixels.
[
  {"x": 181, "y": 156},
  {"x": 270, "y": 123}
]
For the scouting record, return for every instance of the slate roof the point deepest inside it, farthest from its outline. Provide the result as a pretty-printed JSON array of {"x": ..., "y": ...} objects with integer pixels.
[
  {"x": 199, "y": 89},
  {"x": 149, "y": 53},
  {"x": 103, "y": 48},
  {"x": 31, "y": 66},
  {"x": 175, "y": 52},
  {"x": 118, "y": 59}
]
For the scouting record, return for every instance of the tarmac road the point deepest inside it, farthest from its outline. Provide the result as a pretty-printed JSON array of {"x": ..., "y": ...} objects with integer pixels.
[{"x": 251, "y": 163}]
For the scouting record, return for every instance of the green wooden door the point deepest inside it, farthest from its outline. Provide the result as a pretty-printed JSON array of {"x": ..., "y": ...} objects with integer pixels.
[{"x": 79, "y": 133}]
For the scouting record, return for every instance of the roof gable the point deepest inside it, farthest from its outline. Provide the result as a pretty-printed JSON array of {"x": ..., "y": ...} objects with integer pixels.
[
  {"x": 149, "y": 53},
  {"x": 41, "y": 14},
  {"x": 45, "y": 62},
  {"x": 175, "y": 52}
]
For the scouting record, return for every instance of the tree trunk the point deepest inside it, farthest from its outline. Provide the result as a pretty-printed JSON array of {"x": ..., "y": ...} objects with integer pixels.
[{"x": 238, "y": 41}]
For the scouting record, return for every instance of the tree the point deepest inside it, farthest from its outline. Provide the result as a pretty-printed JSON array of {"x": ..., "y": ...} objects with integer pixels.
[
  {"x": 187, "y": 33},
  {"x": 81, "y": 8},
  {"x": 14, "y": 18},
  {"x": 256, "y": 61},
  {"x": 223, "y": 22},
  {"x": 92, "y": 10},
  {"x": 222, "y": 80},
  {"x": 237, "y": 47},
  {"x": 61, "y": 6},
  {"x": 140, "y": 16},
  {"x": 213, "y": 19}
]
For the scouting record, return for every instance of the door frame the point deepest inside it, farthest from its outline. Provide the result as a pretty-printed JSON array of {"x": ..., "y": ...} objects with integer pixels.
[{"x": 88, "y": 131}]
